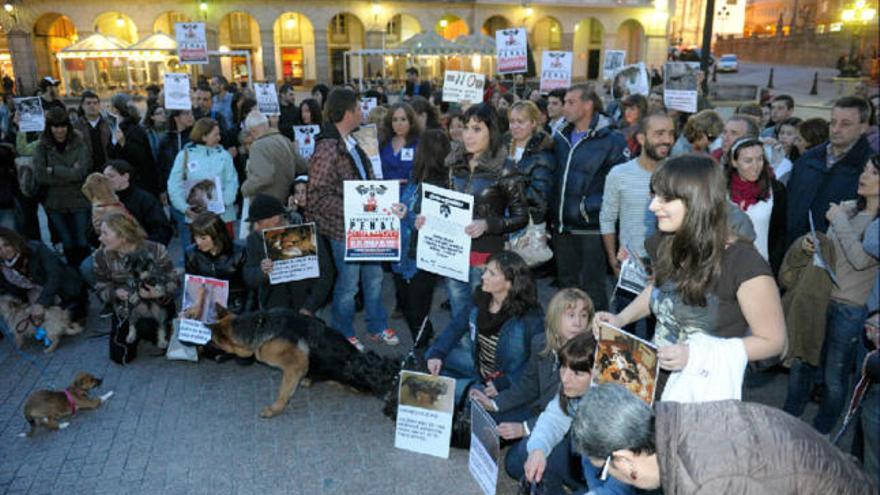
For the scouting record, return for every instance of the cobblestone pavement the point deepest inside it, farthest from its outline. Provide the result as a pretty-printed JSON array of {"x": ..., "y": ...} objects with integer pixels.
[{"x": 175, "y": 427}]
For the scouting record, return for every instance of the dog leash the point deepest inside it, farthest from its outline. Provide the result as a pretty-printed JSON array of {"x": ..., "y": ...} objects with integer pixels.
[{"x": 26, "y": 357}]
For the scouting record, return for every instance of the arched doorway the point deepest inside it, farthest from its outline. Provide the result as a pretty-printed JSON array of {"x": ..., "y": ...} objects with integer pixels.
[
  {"x": 294, "y": 48},
  {"x": 345, "y": 32},
  {"x": 494, "y": 23},
  {"x": 166, "y": 21},
  {"x": 239, "y": 31},
  {"x": 631, "y": 37},
  {"x": 5, "y": 57},
  {"x": 52, "y": 32},
  {"x": 546, "y": 35},
  {"x": 117, "y": 25},
  {"x": 400, "y": 28},
  {"x": 451, "y": 26},
  {"x": 589, "y": 35}
]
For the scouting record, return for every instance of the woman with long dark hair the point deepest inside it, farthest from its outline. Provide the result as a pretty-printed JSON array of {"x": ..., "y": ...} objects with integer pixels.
[
  {"x": 400, "y": 136},
  {"x": 707, "y": 280},
  {"x": 156, "y": 125},
  {"x": 133, "y": 145},
  {"x": 505, "y": 318},
  {"x": 310, "y": 112}
]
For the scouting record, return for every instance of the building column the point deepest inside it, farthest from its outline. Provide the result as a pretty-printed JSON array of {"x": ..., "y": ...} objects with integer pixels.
[
  {"x": 267, "y": 44},
  {"x": 568, "y": 42},
  {"x": 322, "y": 57},
  {"x": 656, "y": 48},
  {"x": 374, "y": 39},
  {"x": 213, "y": 38},
  {"x": 21, "y": 50}
]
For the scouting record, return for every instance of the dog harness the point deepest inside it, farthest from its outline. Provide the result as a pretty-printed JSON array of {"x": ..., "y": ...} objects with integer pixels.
[{"x": 70, "y": 401}]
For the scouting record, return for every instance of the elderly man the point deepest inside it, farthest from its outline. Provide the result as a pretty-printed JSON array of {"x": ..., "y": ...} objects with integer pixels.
[
  {"x": 722, "y": 447},
  {"x": 273, "y": 161}
]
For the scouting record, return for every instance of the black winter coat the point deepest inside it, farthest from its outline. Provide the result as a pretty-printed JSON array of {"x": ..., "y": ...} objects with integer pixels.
[
  {"x": 139, "y": 154},
  {"x": 536, "y": 168},
  {"x": 776, "y": 245},
  {"x": 169, "y": 147},
  {"x": 498, "y": 195},
  {"x": 46, "y": 269},
  {"x": 580, "y": 174},
  {"x": 227, "y": 266},
  {"x": 147, "y": 210}
]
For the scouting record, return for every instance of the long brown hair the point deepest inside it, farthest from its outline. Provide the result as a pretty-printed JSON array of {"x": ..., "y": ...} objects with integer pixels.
[
  {"x": 429, "y": 164},
  {"x": 388, "y": 130},
  {"x": 202, "y": 128},
  {"x": 578, "y": 354},
  {"x": 211, "y": 225},
  {"x": 691, "y": 256}
]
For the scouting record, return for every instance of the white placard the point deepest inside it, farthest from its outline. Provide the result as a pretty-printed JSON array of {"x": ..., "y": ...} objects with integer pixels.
[
  {"x": 631, "y": 79},
  {"x": 555, "y": 70},
  {"x": 614, "y": 60},
  {"x": 192, "y": 44},
  {"x": 305, "y": 139},
  {"x": 30, "y": 110},
  {"x": 485, "y": 449},
  {"x": 511, "y": 50},
  {"x": 443, "y": 247},
  {"x": 293, "y": 250},
  {"x": 372, "y": 231},
  {"x": 200, "y": 297},
  {"x": 177, "y": 95},
  {"x": 204, "y": 194},
  {"x": 367, "y": 106},
  {"x": 424, "y": 413},
  {"x": 367, "y": 137},
  {"x": 680, "y": 82},
  {"x": 633, "y": 273},
  {"x": 113, "y": 123},
  {"x": 463, "y": 87},
  {"x": 267, "y": 98}
]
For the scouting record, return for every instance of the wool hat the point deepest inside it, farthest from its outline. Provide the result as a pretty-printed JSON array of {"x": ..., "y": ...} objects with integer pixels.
[{"x": 264, "y": 206}]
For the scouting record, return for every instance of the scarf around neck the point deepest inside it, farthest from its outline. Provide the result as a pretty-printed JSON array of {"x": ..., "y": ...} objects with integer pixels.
[{"x": 744, "y": 193}]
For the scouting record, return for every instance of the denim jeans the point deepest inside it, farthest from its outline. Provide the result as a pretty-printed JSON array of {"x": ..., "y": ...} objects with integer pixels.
[
  {"x": 87, "y": 270},
  {"x": 459, "y": 364},
  {"x": 870, "y": 423},
  {"x": 563, "y": 466},
  {"x": 348, "y": 274},
  {"x": 801, "y": 377},
  {"x": 461, "y": 294},
  {"x": 843, "y": 340},
  {"x": 71, "y": 227}
]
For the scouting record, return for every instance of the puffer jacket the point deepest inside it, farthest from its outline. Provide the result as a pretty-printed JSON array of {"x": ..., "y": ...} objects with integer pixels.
[
  {"x": 69, "y": 170},
  {"x": 536, "y": 168},
  {"x": 498, "y": 195},
  {"x": 758, "y": 450},
  {"x": 581, "y": 169},
  {"x": 227, "y": 266},
  {"x": 208, "y": 163}
]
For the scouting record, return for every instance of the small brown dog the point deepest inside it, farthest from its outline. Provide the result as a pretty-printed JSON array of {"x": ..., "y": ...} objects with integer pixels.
[
  {"x": 99, "y": 192},
  {"x": 56, "y": 322},
  {"x": 46, "y": 407}
]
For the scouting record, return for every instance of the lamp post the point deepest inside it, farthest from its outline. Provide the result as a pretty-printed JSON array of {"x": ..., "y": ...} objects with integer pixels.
[{"x": 857, "y": 16}]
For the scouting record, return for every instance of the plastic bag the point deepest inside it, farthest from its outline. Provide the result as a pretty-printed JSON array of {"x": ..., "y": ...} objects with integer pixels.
[
  {"x": 177, "y": 351},
  {"x": 532, "y": 245}
]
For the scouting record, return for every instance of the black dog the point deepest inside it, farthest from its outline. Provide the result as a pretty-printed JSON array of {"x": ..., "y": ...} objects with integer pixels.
[{"x": 147, "y": 274}]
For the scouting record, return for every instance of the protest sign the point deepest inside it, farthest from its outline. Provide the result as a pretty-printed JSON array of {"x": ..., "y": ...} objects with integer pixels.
[
  {"x": 633, "y": 273},
  {"x": 372, "y": 231},
  {"x": 205, "y": 195},
  {"x": 614, "y": 60},
  {"x": 680, "y": 82},
  {"x": 305, "y": 139},
  {"x": 367, "y": 137},
  {"x": 293, "y": 250},
  {"x": 510, "y": 48},
  {"x": 267, "y": 98},
  {"x": 367, "y": 106},
  {"x": 200, "y": 297},
  {"x": 630, "y": 79},
  {"x": 192, "y": 44},
  {"x": 177, "y": 96},
  {"x": 485, "y": 449},
  {"x": 443, "y": 247},
  {"x": 555, "y": 70},
  {"x": 818, "y": 259},
  {"x": 113, "y": 123},
  {"x": 463, "y": 86},
  {"x": 623, "y": 358},
  {"x": 30, "y": 111},
  {"x": 424, "y": 413}
]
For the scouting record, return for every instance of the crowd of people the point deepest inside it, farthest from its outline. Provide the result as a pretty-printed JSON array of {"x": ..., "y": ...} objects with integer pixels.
[{"x": 759, "y": 232}]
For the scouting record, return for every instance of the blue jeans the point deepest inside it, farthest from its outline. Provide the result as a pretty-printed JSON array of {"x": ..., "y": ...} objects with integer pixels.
[
  {"x": 71, "y": 227},
  {"x": 563, "y": 466},
  {"x": 87, "y": 270},
  {"x": 459, "y": 364},
  {"x": 801, "y": 377},
  {"x": 348, "y": 275},
  {"x": 461, "y": 294},
  {"x": 843, "y": 340}
]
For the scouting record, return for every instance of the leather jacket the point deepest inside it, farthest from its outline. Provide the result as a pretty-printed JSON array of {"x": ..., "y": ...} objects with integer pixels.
[
  {"x": 225, "y": 266},
  {"x": 499, "y": 198}
]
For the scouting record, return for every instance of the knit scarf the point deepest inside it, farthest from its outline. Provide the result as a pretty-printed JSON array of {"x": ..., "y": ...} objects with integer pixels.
[{"x": 744, "y": 193}]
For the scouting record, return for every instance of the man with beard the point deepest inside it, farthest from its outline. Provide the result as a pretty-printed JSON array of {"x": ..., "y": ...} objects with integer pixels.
[{"x": 626, "y": 198}]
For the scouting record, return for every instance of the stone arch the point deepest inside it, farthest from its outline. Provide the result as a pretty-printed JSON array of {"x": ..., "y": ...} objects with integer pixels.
[
  {"x": 240, "y": 31},
  {"x": 118, "y": 25},
  {"x": 345, "y": 32},
  {"x": 631, "y": 37},
  {"x": 52, "y": 32},
  {"x": 546, "y": 35},
  {"x": 589, "y": 39},
  {"x": 401, "y": 27},
  {"x": 494, "y": 23},
  {"x": 294, "y": 40},
  {"x": 451, "y": 26},
  {"x": 166, "y": 20}
]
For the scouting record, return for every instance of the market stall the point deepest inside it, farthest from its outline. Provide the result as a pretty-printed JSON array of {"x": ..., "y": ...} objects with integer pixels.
[{"x": 98, "y": 62}]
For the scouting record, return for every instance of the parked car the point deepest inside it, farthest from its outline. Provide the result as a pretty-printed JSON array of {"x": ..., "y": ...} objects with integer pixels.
[{"x": 728, "y": 63}]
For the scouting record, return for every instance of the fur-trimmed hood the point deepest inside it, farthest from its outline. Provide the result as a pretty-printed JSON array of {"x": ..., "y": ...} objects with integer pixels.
[
  {"x": 540, "y": 141},
  {"x": 458, "y": 161}
]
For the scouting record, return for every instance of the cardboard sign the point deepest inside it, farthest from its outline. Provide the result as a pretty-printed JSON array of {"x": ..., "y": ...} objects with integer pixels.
[
  {"x": 305, "y": 139},
  {"x": 424, "y": 413},
  {"x": 372, "y": 231},
  {"x": 614, "y": 61},
  {"x": 177, "y": 95},
  {"x": 463, "y": 86},
  {"x": 192, "y": 44},
  {"x": 680, "y": 83},
  {"x": 267, "y": 98},
  {"x": 293, "y": 250},
  {"x": 511, "y": 50},
  {"x": 443, "y": 247},
  {"x": 555, "y": 70},
  {"x": 30, "y": 110},
  {"x": 485, "y": 449}
]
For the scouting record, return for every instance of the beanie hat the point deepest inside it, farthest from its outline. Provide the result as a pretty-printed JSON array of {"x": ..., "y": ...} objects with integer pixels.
[{"x": 264, "y": 206}]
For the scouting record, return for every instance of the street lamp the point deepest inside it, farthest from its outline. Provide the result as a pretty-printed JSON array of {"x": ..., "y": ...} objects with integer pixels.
[{"x": 856, "y": 17}]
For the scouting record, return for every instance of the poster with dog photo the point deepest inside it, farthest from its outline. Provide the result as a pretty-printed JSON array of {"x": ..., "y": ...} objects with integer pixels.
[
  {"x": 680, "y": 83},
  {"x": 630, "y": 80},
  {"x": 623, "y": 358},
  {"x": 30, "y": 111},
  {"x": 424, "y": 413},
  {"x": 293, "y": 250},
  {"x": 372, "y": 231},
  {"x": 305, "y": 139},
  {"x": 267, "y": 98},
  {"x": 485, "y": 451},
  {"x": 205, "y": 195},
  {"x": 200, "y": 298}
]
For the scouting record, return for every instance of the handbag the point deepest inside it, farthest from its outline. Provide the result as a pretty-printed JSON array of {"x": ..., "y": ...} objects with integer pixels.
[{"x": 532, "y": 245}]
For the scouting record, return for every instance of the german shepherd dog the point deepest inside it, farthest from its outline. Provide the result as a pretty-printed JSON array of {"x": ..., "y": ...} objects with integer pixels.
[{"x": 299, "y": 345}]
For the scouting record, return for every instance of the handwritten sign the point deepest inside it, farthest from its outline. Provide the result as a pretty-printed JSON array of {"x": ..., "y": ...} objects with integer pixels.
[{"x": 463, "y": 86}]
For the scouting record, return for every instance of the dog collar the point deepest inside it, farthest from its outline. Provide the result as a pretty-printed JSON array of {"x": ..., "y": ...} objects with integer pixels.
[{"x": 70, "y": 401}]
